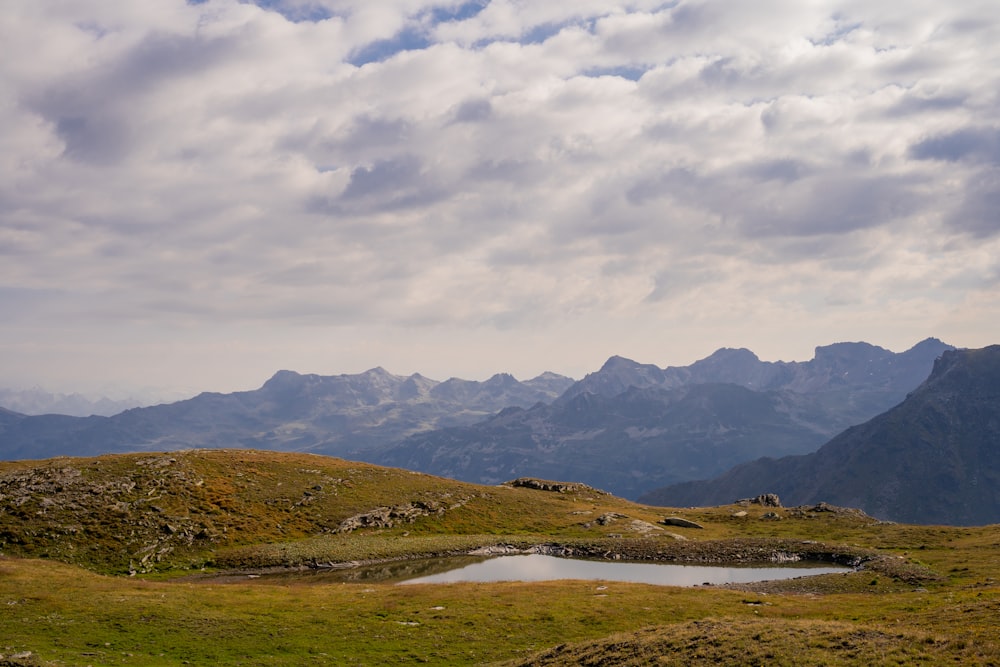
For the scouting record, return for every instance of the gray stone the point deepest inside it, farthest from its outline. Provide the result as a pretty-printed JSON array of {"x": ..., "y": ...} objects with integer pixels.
[{"x": 764, "y": 500}]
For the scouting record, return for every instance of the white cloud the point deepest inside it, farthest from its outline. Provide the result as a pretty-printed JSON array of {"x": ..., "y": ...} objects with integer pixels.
[{"x": 494, "y": 171}]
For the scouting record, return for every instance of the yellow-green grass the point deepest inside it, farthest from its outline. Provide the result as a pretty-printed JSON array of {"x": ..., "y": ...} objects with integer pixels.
[
  {"x": 179, "y": 510},
  {"x": 927, "y": 594},
  {"x": 68, "y": 616}
]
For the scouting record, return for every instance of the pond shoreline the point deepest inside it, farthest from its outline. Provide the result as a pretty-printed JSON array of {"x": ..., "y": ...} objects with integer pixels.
[{"x": 757, "y": 551}]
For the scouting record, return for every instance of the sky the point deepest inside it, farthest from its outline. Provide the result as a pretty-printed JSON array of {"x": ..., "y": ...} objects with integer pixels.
[{"x": 194, "y": 195}]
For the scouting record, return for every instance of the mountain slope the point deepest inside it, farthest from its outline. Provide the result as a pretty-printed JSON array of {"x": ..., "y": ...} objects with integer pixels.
[
  {"x": 628, "y": 427},
  {"x": 626, "y": 443},
  {"x": 631, "y": 427},
  {"x": 290, "y": 411},
  {"x": 857, "y": 380},
  {"x": 935, "y": 458}
]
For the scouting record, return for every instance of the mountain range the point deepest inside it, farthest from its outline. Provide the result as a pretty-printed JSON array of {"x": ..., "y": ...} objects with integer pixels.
[
  {"x": 40, "y": 402},
  {"x": 628, "y": 427},
  {"x": 934, "y": 458},
  {"x": 290, "y": 412}
]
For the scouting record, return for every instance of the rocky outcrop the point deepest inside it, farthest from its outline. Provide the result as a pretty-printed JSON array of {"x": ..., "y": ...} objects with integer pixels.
[
  {"x": 19, "y": 659},
  {"x": 681, "y": 522},
  {"x": 68, "y": 501},
  {"x": 610, "y": 517},
  {"x": 387, "y": 517},
  {"x": 545, "y": 485},
  {"x": 820, "y": 508},
  {"x": 764, "y": 500}
]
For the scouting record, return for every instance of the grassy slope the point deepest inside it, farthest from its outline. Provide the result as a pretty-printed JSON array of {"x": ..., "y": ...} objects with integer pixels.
[{"x": 251, "y": 508}]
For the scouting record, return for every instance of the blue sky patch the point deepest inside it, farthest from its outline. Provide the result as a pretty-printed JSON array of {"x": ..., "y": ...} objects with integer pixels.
[
  {"x": 296, "y": 13},
  {"x": 630, "y": 72},
  {"x": 409, "y": 39},
  {"x": 466, "y": 10}
]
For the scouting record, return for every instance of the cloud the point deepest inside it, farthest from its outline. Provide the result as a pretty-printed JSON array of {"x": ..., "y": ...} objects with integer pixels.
[
  {"x": 979, "y": 144},
  {"x": 495, "y": 165}
]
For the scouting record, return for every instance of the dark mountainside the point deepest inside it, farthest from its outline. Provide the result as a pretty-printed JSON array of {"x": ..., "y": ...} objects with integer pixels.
[
  {"x": 935, "y": 458},
  {"x": 624, "y": 444},
  {"x": 290, "y": 412},
  {"x": 630, "y": 427},
  {"x": 627, "y": 428}
]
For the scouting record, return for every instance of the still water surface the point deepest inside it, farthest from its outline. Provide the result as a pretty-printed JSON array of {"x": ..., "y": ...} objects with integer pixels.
[{"x": 534, "y": 567}]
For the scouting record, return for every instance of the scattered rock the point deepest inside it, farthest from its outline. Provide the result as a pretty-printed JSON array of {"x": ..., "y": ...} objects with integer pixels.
[
  {"x": 21, "y": 659},
  {"x": 496, "y": 550},
  {"x": 643, "y": 527},
  {"x": 610, "y": 517},
  {"x": 764, "y": 500},
  {"x": 771, "y": 516},
  {"x": 387, "y": 517},
  {"x": 544, "y": 485},
  {"x": 827, "y": 508},
  {"x": 681, "y": 522}
]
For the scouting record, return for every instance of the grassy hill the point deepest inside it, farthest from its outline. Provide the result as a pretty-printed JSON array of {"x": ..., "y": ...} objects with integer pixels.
[{"x": 72, "y": 530}]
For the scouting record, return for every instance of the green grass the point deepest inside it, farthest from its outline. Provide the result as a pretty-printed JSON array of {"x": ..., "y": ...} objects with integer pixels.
[
  {"x": 66, "y": 616},
  {"x": 928, "y": 594}
]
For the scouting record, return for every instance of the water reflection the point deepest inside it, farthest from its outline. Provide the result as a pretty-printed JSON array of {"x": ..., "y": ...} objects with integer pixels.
[
  {"x": 390, "y": 572},
  {"x": 533, "y": 567},
  {"x": 536, "y": 567}
]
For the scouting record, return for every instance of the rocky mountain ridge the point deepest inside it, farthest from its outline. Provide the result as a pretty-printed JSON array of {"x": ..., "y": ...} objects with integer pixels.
[
  {"x": 628, "y": 427},
  {"x": 629, "y": 424},
  {"x": 290, "y": 412},
  {"x": 934, "y": 458},
  {"x": 847, "y": 366}
]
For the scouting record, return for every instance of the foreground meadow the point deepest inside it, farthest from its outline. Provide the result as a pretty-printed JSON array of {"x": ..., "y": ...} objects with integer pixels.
[{"x": 74, "y": 590}]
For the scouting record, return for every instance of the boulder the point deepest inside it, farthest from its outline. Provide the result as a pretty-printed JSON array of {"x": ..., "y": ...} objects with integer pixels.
[
  {"x": 764, "y": 500},
  {"x": 681, "y": 522}
]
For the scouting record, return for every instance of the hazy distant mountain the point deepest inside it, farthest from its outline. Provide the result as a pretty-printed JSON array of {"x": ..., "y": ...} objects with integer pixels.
[
  {"x": 625, "y": 444},
  {"x": 326, "y": 414},
  {"x": 630, "y": 427},
  {"x": 41, "y": 402},
  {"x": 856, "y": 380},
  {"x": 935, "y": 458}
]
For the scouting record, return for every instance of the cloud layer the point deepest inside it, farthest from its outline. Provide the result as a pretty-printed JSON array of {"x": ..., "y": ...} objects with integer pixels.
[{"x": 498, "y": 184}]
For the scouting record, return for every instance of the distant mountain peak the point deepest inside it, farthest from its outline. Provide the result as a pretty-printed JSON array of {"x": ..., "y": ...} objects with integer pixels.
[
  {"x": 937, "y": 342},
  {"x": 835, "y": 367},
  {"x": 282, "y": 378},
  {"x": 502, "y": 378},
  {"x": 616, "y": 362},
  {"x": 854, "y": 350},
  {"x": 732, "y": 353}
]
